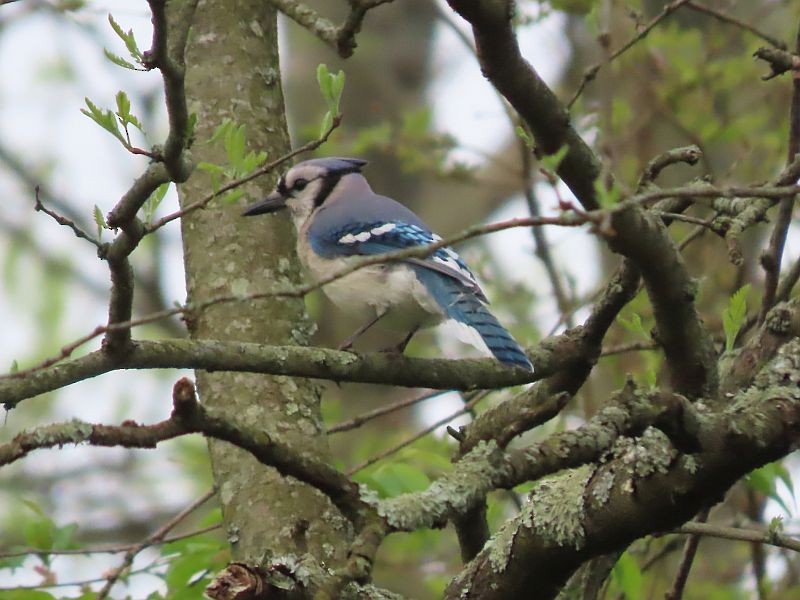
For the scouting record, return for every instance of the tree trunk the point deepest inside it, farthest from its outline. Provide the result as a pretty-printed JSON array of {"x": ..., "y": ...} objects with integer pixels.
[{"x": 233, "y": 74}]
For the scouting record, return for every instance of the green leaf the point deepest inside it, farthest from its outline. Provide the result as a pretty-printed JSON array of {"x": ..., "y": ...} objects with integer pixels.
[
  {"x": 235, "y": 141},
  {"x": 195, "y": 560},
  {"x": 128, "y": 38},
  {"x": 634, "y": 325},
  {"x": 221, "y": 130},
  {"x": 734, "y": 316},
  {"x": 628, "y": 576},
  {"x": 27, "y": 595},
  {"x": 190, "y": 125},
  {"x": 764, "y": 480},
  {"x": 524, "y": 136},
  {"x": 337, "y": 87},
  {"x": 214, "y": 171},
  {"x": 325, "y": 83},
  {"x": 152, "y": 203},
  {"x": 552, "y": 161},
  {"x": 105, "y": 118},
  {"x": 606, "y": 197},
  {"x": 331, "y": 86},
  {"x": 327, "y": 121},
  {"x": 119, "y": 61},
  {"x": 99, "y": 220},
  {"x": 124, "y": 112},
  {"x": 14, "y": 367},
  {"x": 12, "y": 562},
  {"x": 397, "y": 478}
]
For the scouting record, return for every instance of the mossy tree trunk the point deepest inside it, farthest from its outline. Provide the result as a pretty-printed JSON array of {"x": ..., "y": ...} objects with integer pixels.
[{"x": 233, "y": 73}]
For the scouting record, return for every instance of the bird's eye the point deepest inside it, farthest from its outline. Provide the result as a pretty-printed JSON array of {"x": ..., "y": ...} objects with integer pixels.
[{"x": 300, "y": 184}]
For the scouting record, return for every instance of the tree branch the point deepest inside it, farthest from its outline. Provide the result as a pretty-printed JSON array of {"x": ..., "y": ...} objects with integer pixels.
[
  {"x": 296, "y": 361},
  {"x": 155, "y": 538},
  {"x": 772, "y": 258},
  {"x": 773, "y": 538},
  {"x": 341, "y": 38},
  {"x": 190, "y": 417},
  {"x": 583, "y": 513}
]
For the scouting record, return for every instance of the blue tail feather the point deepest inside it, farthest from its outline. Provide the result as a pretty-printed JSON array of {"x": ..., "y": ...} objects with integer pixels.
[{"x": 465, "y": 307}]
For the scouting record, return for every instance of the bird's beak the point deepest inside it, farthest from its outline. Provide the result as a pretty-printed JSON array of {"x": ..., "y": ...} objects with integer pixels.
[{"x": 274, "y": 202}]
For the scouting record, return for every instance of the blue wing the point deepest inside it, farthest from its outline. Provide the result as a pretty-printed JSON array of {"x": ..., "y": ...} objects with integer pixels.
[
  {"x": 444, "y": 274},
  {"x": 381, "y": 237}
]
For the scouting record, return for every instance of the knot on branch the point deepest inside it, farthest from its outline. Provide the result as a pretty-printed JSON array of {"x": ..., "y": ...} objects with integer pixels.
[
  {"x": 780, "y": 61},
  {"x": 237, "y": 581},
  {"x": 184, "y": 399}
]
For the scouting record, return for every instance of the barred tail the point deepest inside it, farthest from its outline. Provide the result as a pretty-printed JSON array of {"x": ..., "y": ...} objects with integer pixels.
[{"x": 467, "y": 309}]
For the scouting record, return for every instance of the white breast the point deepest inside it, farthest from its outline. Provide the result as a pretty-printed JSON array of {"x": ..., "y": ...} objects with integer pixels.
[{"x": 393, "y": 289}]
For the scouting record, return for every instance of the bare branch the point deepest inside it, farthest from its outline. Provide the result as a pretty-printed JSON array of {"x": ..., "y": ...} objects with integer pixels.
[
  {"x": 772, "y": 538},
  {"x": 341, "y": 38},
  {"x": 62, "y": 220},
  {"x": 772, "y": 258},
  {"x": 111, "y": 549},
  {"x": 383, "y": 410},
  {"x": 470, "y": 403},
  {"x": 731, "y": 20},
  {"x": 155, "y": 538},
  {"x": 189, "y": 416},
  {"x": 592, "y": 71},
  {"x": 296, "y": 361},
  {"x": 689, "y": 553}
]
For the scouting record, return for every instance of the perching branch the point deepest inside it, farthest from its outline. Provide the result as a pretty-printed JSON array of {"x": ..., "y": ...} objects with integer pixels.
[
  {"x": 341, "y": 38},
  {"x": 296, "y": 361}
]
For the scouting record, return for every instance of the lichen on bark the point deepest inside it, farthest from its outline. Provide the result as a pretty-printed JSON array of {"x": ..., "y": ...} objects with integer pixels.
[{"x": 233, "y": 73}]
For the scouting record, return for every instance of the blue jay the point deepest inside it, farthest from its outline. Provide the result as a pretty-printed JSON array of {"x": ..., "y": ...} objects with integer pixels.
[{"x": 338, "y": 218}]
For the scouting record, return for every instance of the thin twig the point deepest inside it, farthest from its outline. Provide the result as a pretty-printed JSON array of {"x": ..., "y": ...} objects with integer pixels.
[
  {"x": 772, "y": 258},
  {"x": 629, "y": 347},
  {"x": 157, "y": 536},
  {"x": 689, "y": 552},
  {"x": 685, "y": 218},
  {"x": 474, "y": 398},
  {"x": 541, "y": 245},
  {"x": 779, "y": 540},
  {"x": 726, "y": 18},
  {"x": 788, "y": 281},
  {"x": 696, "y": 233},
  {"x": 62, "y": 220},
  {"x": 384, "y": 410},
  {"x": 591, "y": 72},
  {"x": 263, "y": 170},
  {"x": 112, "y": 549}
]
